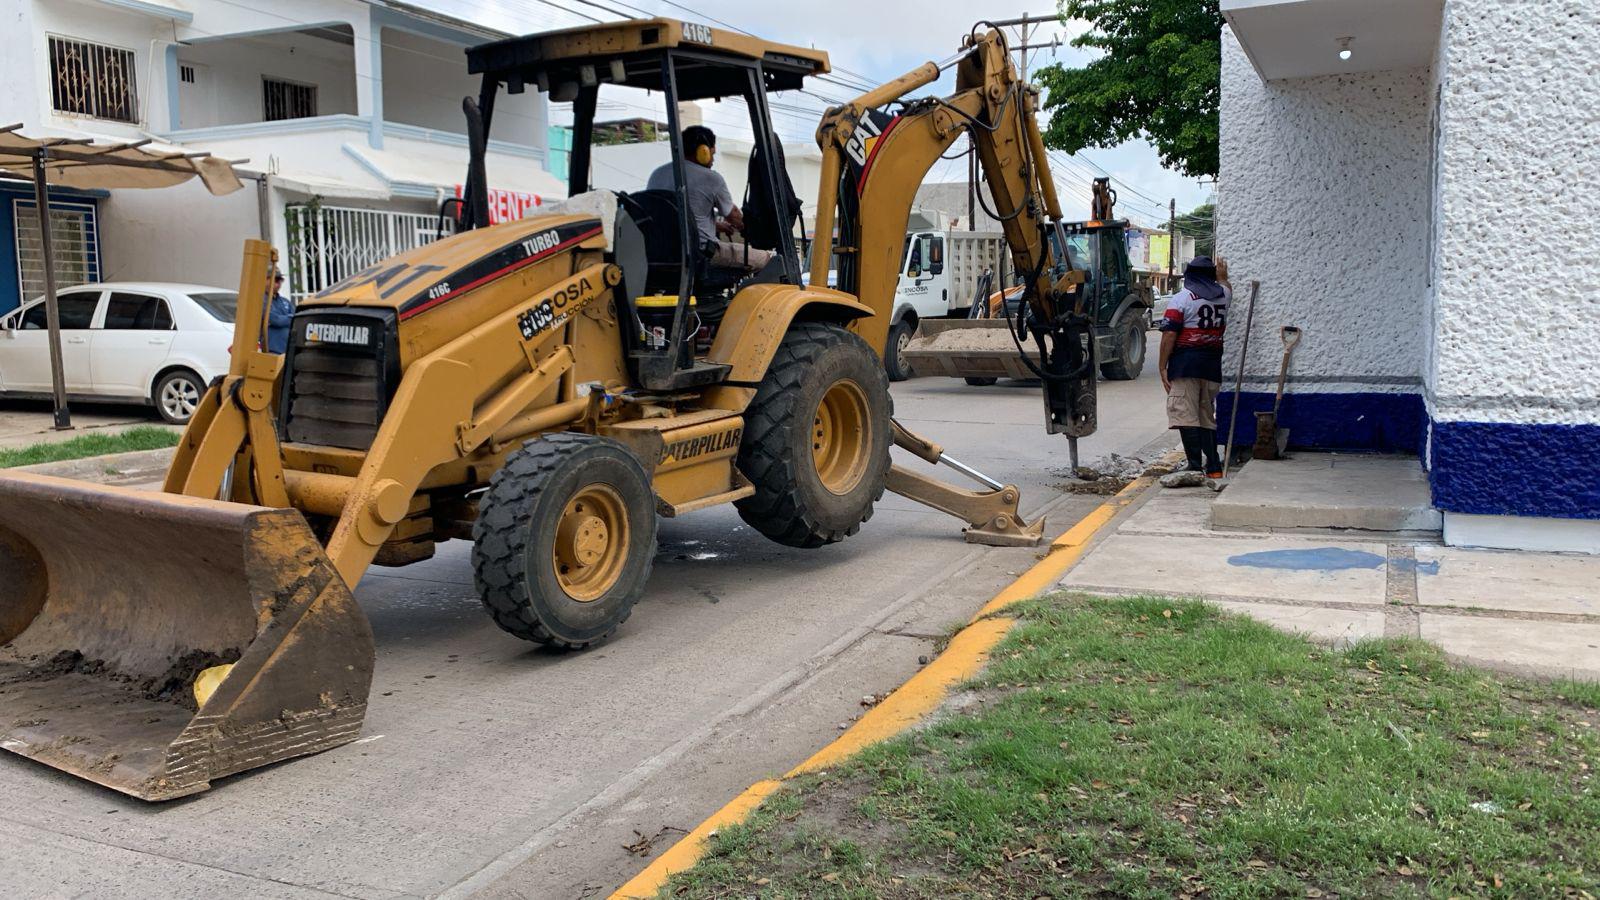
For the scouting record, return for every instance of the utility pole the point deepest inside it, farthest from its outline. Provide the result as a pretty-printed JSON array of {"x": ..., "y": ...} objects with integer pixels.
[
  {"x": 52, "y": 310},
  {"x": 1172, "y": 238},
  {"x": 1024, "y": 31}
]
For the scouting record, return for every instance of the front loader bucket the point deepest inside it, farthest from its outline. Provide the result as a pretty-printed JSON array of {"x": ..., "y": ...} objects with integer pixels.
[
  {"x": 113, "y": 601},
  {"x": 967, "y": 348}
]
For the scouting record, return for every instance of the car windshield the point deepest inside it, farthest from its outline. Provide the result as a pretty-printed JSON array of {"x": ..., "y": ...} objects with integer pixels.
[{"x": 220, "y": 304}]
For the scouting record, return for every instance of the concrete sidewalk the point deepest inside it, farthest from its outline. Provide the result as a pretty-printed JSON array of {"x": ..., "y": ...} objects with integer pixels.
[
  {"x": 1528, "y": 613},
  {"x": 24, "y": 423}
]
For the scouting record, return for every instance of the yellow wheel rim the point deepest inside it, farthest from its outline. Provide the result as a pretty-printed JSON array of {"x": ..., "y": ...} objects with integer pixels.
[
  {"x": 591, "y": 542},
  {"x": 840, "y": 437}
]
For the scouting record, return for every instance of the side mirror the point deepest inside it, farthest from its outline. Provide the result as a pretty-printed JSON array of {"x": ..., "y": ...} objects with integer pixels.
[{"x": 935, "y": 268}]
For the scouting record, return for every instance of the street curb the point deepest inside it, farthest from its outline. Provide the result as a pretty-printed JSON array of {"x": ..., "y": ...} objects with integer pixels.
[
  {"x": 910, "y": 703},
  {"x": 134, "y": 463}
]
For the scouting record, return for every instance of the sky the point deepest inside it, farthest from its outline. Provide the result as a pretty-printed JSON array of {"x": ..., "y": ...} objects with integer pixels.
[{"x": 870, "y": 41}]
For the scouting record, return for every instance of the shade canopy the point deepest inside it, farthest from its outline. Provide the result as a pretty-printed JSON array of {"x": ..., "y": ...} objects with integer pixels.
[{"x": 82, "y": 164}]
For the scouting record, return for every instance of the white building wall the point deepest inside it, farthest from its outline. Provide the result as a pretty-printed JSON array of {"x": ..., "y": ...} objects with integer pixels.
[
  {"x": 138, "y": 242},
  {"x": 1513, "y": 402},
  {"x": 213, "y": 18},
  {"x": 237, "y": 67},
  {"x": 1519, "y": 235},
  {"x": 424, "y": 81},
  {"x": 19, "y": 68},
  {"x": 1326, "y": 203},
  {"x": 101, "y": 24}
]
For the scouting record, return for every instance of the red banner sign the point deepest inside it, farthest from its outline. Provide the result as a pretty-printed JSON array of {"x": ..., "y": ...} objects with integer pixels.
[{"x": 507, "y": 206}]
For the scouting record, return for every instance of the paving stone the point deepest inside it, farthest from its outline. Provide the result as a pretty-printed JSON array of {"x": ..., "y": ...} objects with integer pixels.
[
  {"x": 1274, "y": 568},
  {"x": 1561, "y": 649},
  {"x": 1340, "y": 627},
  {"x": 1329, "y": 490},
  {"x": 1509, "y": 580}
]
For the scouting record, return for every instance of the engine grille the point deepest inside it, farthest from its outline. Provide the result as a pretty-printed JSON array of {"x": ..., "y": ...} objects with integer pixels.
[{"x": 338, "y": 391}]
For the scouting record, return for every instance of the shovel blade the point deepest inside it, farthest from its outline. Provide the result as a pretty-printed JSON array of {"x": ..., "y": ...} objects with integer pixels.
[{"x": 113, "y": 601}]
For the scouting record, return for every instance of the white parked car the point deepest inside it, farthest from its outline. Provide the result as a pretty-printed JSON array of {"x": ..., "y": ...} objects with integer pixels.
[{"x": 157, "y": 344}]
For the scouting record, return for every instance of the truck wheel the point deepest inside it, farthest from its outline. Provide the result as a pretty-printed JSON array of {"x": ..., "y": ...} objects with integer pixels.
[
  {"x": 816, "y": 438},
  {"x": 1129, "y": 361},
  {"x": 564, "y": 538},
  {"x": 894, "y": 357}
]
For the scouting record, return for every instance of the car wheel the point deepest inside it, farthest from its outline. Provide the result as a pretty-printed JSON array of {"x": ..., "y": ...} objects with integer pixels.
[{"x": 177, "y": 395}]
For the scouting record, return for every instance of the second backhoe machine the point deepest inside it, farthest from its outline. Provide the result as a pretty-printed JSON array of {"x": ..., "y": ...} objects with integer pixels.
[{"x": 546, "y": 388}]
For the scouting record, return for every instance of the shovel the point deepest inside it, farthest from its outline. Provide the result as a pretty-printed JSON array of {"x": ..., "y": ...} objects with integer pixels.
[{"x": 1271, "y": 440}]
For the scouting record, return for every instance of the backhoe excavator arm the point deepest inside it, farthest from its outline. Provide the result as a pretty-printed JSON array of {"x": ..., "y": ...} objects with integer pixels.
[{"x": 874, "y": 160}]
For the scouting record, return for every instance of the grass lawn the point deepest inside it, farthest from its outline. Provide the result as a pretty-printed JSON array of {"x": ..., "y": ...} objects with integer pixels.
[
  {"x": 1146, "y": 748},
  {"x": 139, "y": 437}
]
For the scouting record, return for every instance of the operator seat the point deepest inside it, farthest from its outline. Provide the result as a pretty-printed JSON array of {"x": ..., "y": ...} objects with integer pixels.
[{"x": 656, "y": 214}]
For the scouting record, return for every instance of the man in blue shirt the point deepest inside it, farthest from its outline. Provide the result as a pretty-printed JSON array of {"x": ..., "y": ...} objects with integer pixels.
[{"x": 279, "y": 314}]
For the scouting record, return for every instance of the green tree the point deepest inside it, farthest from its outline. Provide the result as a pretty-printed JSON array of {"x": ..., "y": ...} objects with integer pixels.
[{"x": 1159, "y": 77}]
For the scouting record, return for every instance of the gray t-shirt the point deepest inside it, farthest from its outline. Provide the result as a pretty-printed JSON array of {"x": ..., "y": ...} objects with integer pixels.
[{"x": 707, "y": 190}]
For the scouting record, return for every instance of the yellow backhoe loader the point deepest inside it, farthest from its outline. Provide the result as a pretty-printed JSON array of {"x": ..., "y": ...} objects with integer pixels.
[{"x": 546, "y": 388}]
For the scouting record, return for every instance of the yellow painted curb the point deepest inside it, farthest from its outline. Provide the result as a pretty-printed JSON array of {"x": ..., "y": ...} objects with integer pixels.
[
  {"x": 912, "y": 701},
  {"x": 1064, "y": 552}
]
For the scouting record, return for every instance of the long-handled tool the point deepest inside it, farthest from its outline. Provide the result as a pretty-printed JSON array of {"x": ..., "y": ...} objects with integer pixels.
[
  {"x": 1238, "y": 383},
  {"x": 1271, "y": 440}
]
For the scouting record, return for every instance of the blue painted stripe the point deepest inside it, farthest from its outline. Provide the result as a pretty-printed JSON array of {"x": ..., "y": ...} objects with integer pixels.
[
  {"x": 1334, "y": 421},
  {"x": 1516, "y": 470}
]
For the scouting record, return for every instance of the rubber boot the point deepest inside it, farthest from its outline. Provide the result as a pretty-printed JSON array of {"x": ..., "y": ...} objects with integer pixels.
[
  {"x": 1208, "y": 445},
  {"x": 1191, "y": 448}
]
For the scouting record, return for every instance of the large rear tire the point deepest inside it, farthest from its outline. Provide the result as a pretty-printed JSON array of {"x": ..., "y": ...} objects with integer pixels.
[
  {"x": 816, "y": 438},
  {"x": 564, "y": 539},
  {"x": 1129, "y": 361}
]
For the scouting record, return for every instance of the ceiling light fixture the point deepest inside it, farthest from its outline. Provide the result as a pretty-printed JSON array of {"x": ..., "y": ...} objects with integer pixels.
[{"x": 1344, "y": 47}]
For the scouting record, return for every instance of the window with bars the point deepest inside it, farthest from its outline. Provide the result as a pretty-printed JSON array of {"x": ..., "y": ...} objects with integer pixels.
[
  {"x": 74, "y": 238},
  {"x": 93, "y": 80},
  {"x": 288, "y": 99}
]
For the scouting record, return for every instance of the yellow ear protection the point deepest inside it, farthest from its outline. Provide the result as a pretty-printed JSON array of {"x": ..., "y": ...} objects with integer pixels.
[{"x": 702, "y": 155}]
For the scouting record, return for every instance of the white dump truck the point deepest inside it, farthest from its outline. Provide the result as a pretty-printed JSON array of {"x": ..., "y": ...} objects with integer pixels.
[{"x": 939, "y": 278}]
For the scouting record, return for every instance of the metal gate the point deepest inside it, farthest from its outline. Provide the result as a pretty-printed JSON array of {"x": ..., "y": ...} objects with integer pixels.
[{"x": 328, "y": 244}]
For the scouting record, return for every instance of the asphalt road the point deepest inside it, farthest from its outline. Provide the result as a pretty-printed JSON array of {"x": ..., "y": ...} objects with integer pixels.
[{"x": 487, "y": 767}]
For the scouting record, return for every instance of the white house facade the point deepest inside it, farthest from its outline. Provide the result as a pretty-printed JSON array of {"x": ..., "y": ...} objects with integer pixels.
[
  {"x": 346, "y": 112},
  {"x": 1411, "y": 182}
]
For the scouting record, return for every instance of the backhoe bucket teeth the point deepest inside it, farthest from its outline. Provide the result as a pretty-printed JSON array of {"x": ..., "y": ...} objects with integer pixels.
[
  {"x": 967, "y": 348},
  {"x": 114, "y": 601}
]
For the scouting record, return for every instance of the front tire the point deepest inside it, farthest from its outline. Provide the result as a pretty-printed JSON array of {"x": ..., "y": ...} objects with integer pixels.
[
  {"x": 816, "y": 438},
  {"x": 894, "y": 357},
  {"x": 564, "y": 539},
  {"x": 1129, "y": 361},
  {"x": 177, "y": 394}
]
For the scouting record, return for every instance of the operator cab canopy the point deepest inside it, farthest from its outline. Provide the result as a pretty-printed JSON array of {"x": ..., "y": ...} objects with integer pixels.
[{"x": 630, "y": 54}]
